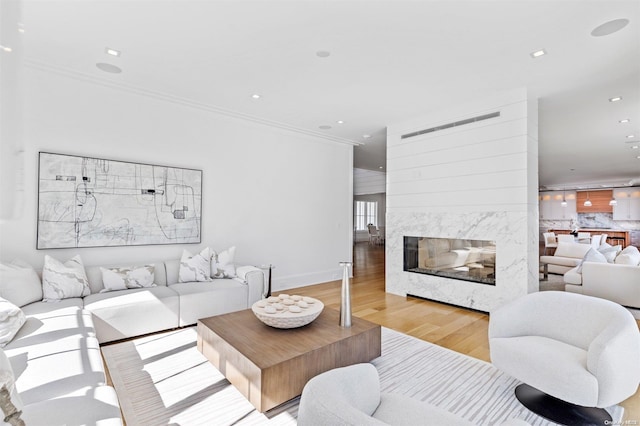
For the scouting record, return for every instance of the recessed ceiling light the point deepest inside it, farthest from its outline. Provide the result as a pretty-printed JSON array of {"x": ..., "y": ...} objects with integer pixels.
[
  {"x": 324, "y": 127},
  {"x": 323, "y": 54},
  {"x": 366, "y": 136},
  {"x": 109, "y": 68},
  {"x": 112, "y": 52},
  {"x": 340, "y": 122},
  {"x": 615, "y": 99},
  {"x": 538, "y": 53},
  {"x": 630, "y": 136},
  {"x": 6, "y": 49},
  {"x": 638, "y": 157},
  {"x": 256, "y": 96},
  {"x": 635, "y": 146},
  {"x": 609, "y": 27},
  {"x": 381, "y": 167},
  {"x": 624, "y": 120}
]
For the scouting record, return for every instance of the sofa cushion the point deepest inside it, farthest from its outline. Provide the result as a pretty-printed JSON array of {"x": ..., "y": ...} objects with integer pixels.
[
  {"x": 195, "y": 267},
  {"x": 19, "y": 283},
  {"x": 592, "y": 255},
  {"x": 63, "y": 280},
  {"x": 573, "y": 250},
  {"x": 205, "y": 299},
  {"x": 127, "y": 313},
  {"x": 610, "y": 252},
  {"x": 55, "y": 353},
  {"x": 11, "y": 319},
  {"x": 96, "y": 406},
  {"x": 559, "y": 260},
  {"x": 71, "y": 371},
  {"x": 128, "y": 277},
  {"x": 46, "y": 333}
]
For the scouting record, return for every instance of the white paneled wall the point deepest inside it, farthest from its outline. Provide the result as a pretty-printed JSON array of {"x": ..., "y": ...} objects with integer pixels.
[{"x": 476, "y": 181}]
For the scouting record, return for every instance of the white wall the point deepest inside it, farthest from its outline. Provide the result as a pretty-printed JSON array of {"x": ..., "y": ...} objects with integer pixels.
[
  {"x": 477, "y": 181},
  {"x": 281, "y": 197},
  {"x": 369, "y": 182}
]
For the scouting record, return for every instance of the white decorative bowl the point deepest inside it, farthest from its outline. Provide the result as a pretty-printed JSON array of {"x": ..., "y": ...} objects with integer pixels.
[{"x": 285, "y": 318}]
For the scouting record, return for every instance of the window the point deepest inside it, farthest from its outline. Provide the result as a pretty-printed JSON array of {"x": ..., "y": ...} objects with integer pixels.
[{"x": 366, "y": 213}]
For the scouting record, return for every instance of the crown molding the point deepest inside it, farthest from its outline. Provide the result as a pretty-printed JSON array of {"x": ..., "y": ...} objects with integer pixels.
[{"x": 130, "y": 88}]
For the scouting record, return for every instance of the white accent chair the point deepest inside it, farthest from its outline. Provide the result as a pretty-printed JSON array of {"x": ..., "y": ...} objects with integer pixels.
[
  {"x": 584, "y": 237},
  {"x": 595, "y": 241},
  {"x": 603, "y": 238},
  {"x": 550, "y": 241},
  {"x": 351, "y": 396},
  {"x": 566, "y": 238},
  {"x": 374, "y": 234},
  {"x": 582, "y": 350}
]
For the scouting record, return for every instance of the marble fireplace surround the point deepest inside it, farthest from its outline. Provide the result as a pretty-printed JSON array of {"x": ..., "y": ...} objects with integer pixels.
[{"x": 507, "y": 229}]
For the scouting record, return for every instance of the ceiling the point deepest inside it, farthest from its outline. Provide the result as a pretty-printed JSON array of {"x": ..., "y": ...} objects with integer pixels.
[{"x": 388, "y": 61}]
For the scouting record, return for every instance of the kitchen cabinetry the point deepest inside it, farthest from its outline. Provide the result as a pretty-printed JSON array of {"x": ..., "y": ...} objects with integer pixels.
[
  {"x": 628, "y": 204},
  {"x": 599, "y": 201},
  {"x": 551, "y": 205}
]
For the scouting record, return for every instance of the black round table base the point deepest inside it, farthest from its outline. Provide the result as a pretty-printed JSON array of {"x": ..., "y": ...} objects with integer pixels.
[{"x": 559, "y": 411}]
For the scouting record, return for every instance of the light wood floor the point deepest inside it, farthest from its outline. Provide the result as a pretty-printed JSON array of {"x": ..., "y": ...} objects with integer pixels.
[{"x": 455, "y": 328}]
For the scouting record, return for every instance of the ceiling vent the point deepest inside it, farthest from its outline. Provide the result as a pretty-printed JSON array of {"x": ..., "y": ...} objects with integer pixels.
[{"x": 454, "y": 124}]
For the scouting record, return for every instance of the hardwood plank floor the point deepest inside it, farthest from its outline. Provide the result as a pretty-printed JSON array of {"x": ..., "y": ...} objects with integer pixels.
[{"x": 458, "y": 329}]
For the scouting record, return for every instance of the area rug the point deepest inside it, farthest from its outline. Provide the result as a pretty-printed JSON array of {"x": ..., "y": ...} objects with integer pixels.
[{"x": 164, "y": 380}]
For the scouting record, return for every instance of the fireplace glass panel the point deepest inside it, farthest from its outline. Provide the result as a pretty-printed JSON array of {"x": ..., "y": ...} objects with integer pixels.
[{"x": 461, "y": 259}]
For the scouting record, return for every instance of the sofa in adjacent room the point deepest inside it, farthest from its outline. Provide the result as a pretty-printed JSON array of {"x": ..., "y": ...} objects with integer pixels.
[
  {"x": 566, "y": 257},
  {"x": 617, "y": 280},
  {"x": 51, "y": 331}
]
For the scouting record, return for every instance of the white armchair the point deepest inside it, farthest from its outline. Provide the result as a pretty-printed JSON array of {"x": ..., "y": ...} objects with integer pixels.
[
  {"x": 582, "y": 350},
  {"x": 351, "y": 396}
]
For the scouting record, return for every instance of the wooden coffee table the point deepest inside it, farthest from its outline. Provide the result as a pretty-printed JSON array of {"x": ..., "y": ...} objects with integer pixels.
[{"x": 270, "y": 366}]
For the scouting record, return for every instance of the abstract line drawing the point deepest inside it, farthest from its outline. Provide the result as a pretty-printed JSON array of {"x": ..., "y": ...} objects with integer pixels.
[{"x": 92, "y": 202}]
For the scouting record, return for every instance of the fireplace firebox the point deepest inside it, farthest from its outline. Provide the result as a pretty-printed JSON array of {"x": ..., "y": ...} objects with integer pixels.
[{"x": 460, "y": 259}]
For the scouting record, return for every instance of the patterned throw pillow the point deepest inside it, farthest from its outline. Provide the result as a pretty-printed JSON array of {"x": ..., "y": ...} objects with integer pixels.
[
  {"x": 222, "y": 265},
  {"x": 64, "y": 280},
  {"x": 195, "y": 267},
  {"x": 11, "y": 319},
  {"x": 128, "y": 277},
  {"x": 592, "y": 255}
]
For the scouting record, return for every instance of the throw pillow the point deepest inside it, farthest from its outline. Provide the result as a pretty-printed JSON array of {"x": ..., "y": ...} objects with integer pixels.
[
  {"x": 592, "y": 255},
  {"x": 64, "y": 280},
  {"x": 195, "y": 267},
  {"x": 128, "y": 277},
  {"x": 11, "y": 399},
  {"x": 19, "y": 283},
  {"x": 629, "y": 256},
  {"x": 609, "y": 252},
  {"x": 222, "y": 265},
  {"x": 11, "y": 319}
]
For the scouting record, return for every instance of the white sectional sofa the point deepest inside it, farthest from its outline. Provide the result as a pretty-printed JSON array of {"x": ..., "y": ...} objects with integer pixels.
[
  {"x": 618, "y": 282},
  {"x": 566, "y": 257},
  {"x": 55, "y": 356}
]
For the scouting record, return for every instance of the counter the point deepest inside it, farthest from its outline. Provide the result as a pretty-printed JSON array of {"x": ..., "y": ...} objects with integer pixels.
[{"x": 614, "y": 236}]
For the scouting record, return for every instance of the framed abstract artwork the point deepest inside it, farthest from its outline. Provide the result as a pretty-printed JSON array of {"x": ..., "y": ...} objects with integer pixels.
[{"x": 93, "y": 202}]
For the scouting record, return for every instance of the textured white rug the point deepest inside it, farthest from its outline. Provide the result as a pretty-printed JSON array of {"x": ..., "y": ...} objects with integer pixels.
[{"x": 164, "y": 380}]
